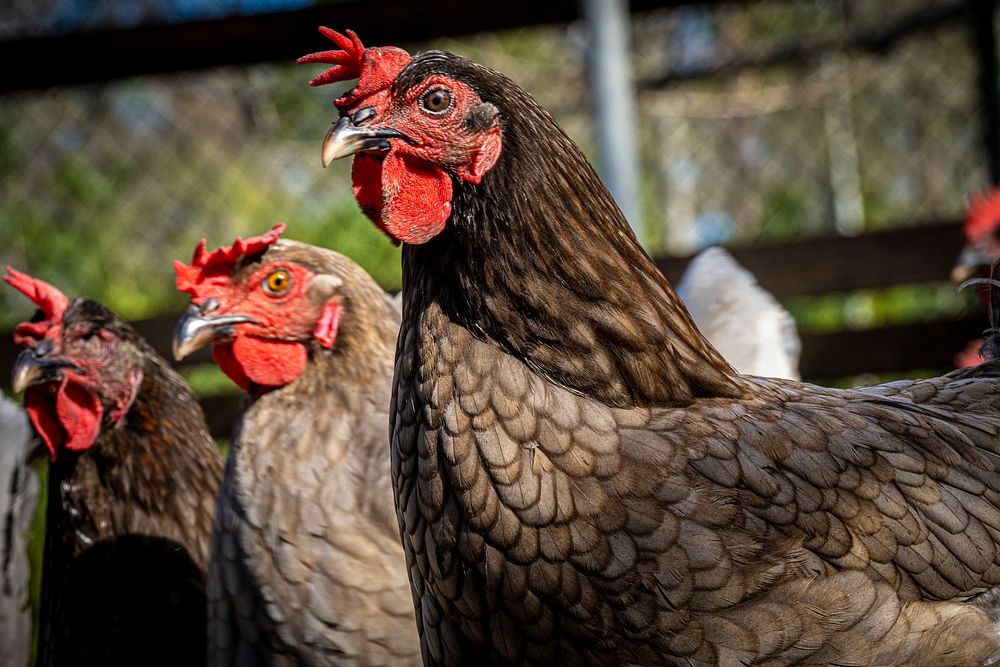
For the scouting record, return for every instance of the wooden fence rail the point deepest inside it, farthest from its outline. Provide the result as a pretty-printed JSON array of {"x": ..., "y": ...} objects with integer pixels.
[{"x": 805, "y": 267}]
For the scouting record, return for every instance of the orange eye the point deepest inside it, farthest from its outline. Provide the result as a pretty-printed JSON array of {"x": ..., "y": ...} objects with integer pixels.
[
  {"x": 436, "y": 100},
  {"x": 278, "y": 282}
]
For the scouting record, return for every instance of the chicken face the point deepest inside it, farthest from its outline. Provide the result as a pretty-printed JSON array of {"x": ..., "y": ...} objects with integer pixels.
[
  {"x": 982, "y": 237},
  {"x": 410, "y": 137},
  {"x": 258, "y": 314},
  {"x": 77, "y": 374}
]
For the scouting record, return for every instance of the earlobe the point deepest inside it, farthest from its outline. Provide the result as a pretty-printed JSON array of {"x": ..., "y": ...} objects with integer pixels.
[
  {"x": 486, "y": 157},
  {"x": 326, "y": 329},
  {"x": 124, "y": 402}
]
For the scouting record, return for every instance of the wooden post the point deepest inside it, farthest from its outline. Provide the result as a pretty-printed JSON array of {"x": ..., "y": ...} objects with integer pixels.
[{"x": 614, "y": 102}]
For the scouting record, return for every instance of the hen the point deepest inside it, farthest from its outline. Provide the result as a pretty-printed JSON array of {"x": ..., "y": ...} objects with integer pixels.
[
  {"x": 738, "y": 317},
  {"x": 982, "y": 249},
  {"x": 132, "y": 484},
  {"x": 306, "y": 564},
  {"x": 581, "y": 478},
  {"x": 18, "y": 494}
]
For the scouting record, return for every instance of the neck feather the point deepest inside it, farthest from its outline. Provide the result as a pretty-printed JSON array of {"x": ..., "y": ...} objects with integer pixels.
[
  {"x": 538, "y": 259},
  {"x": 154, "y": 473}
]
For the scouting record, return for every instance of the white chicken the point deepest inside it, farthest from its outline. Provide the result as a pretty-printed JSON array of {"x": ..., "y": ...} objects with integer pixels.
[{"x": 744, "y": 322}]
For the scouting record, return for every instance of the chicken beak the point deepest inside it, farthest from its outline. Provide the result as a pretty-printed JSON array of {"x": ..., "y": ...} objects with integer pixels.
[
  {"x": 974, "y": 261},
  {"x": 31, "y": 367},
  {"x": 194, "y": 330},
  {"x": 346, "y": 137}
]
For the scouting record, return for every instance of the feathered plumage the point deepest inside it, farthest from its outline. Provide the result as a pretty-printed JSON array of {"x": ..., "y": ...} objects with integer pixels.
[
  {"x": 306, "y": 566},
  {"x": 131, "y": 488},
  {"x": 581, "y": 478},
  {"x": 18, "y": 495}
]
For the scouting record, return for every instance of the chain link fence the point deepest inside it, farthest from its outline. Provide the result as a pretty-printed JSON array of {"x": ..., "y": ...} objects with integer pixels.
[{"x": 763, "y": 120}]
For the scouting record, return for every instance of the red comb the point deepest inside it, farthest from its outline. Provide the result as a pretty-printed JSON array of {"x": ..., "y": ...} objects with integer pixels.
[
  {"x": 983, "y": 215},
  {"x": 375, "y": 68},
  {"x": 49, "y": 300},
  {"x": 346, "y": 59},
  {"x": 210, "y": 270}
]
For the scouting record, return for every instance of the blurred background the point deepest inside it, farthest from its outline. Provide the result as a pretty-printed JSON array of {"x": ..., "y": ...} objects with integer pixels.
[{"x": 832, "y": 144}]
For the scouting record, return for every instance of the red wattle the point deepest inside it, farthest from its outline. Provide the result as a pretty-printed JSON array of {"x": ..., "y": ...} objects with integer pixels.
[
  {"x": 269, "y": 363},
  {"x": 416, "y": 198},
  {"x": 366, "y": 178},
  {"x": 408, "y": 198},
  {"x": 72, "y": 420},
  {"x": 42, "y": 413},
  {"x": 223, "y": 355},
  {"x": 80, "y": 414}
]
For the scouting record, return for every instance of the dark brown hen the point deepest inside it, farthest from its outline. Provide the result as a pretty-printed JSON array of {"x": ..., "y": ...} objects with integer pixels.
[
  {"x": 581, "y": 478},
  {"x": 131, "y": 488},
  {"x": 306, "y": 563}
]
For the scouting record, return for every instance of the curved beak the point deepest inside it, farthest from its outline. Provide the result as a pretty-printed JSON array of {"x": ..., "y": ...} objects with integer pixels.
[
  {"x": 195, "y": 330},
  {"x": 975, "y": 260},
  {"x": 347, "y": 136},
  {"x": 32, "y": 367}
]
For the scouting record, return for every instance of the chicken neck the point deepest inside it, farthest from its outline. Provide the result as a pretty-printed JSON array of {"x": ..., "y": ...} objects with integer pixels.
[{"x": 538, "y": 259}]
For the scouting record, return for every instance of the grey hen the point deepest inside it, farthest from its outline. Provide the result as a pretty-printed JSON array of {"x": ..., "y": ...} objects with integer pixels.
[
  {"x": 306, "y": 563},
  {"x": 18, "y": 496}
]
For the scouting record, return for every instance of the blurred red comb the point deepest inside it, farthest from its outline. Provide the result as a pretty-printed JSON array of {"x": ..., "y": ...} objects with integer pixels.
[
  {"x": 983, "y": 216},
  {"x": 210, "y": 268},
  {"x": 375, "y": 67},
  {"x": 49, "y": 300}
]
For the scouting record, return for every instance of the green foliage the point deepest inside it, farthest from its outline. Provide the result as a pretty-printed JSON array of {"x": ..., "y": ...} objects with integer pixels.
[
  {"x": 871, "y": 309},
  {"x": 208, "y": 380},
  {"x": 784, "y": 208},
  {"x": 102, "y": 188}
]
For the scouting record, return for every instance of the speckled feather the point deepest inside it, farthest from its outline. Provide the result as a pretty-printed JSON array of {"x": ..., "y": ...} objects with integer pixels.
[
  {"x": 307, "y": 567},
  {"x": 128, "y": 526},
  {"x": 581, "y": 479}
]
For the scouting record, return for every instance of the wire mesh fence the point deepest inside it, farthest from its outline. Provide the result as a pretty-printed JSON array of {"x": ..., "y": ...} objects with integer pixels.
[{"x": 780, "y": 119}]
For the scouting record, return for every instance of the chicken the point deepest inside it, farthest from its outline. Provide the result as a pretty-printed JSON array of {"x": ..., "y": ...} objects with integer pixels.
[
  {"x": 18, "y": 495},
  {"x": 982, "y": 249},
  {"x": 306, "y": 564},
  {"x": 132, "y": 484},
  {"x": 580, "y": 478},
  {"x": 989, "y": 347},
  {"x": 982, "y": 237},
  {"x": 739, "y": 318}
]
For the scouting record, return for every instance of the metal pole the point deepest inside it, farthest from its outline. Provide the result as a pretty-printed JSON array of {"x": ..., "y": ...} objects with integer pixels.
[
  {"x": 981, "y": 16},
  {"x": 614, "y": 102}
]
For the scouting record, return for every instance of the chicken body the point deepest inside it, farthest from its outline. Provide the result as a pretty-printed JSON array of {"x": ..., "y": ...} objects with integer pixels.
[
  {"x": 582, "y": 479},
  {"x": 306, "y": 563},
  {"x": 131, "y": 489},
  {"x": 18, "y": 495},
  {"x": 127, "y": 536},
  {"x": 738, "y": 317},
  {"x": 795, "y": 525}
]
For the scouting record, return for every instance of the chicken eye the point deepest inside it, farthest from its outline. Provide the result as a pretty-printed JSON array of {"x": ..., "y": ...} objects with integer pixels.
[
  {"x": 436, "y": 101},
  {"x": 278, "y": 282}
]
